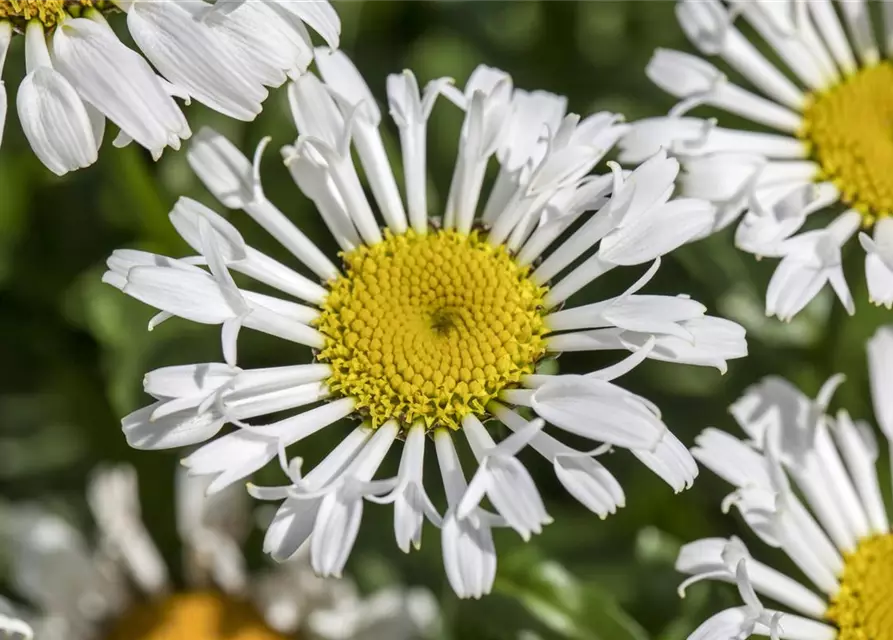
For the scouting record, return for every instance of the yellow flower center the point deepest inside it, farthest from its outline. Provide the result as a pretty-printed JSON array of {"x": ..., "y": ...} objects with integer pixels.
[
  {"x": 49, "y": 12},
  {"x": 203, "y": 615},
  {"x": 850, "y": 131},
  {"x": 863, "y": 608},
  {"x": 430, "y": 327}
]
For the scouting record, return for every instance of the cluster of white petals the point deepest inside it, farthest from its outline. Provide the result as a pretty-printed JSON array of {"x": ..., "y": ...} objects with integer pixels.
[
  {"x": 548, "y": 211},
  {"x": 768, "y": 180},
  {"x": 805, "y": 483},
  {"x": 80, "y": 74},
  {"x": 77, "y": 591}
]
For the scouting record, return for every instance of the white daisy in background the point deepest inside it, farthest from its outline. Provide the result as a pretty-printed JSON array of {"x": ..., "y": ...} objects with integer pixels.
[
  {"x": 80, "y": 592},
  {"x": 831, "y": 145},
  {"x": 79, "y": 73},
  {"x": 431, "y": 326},
  {"x": 805, "y": 483}
]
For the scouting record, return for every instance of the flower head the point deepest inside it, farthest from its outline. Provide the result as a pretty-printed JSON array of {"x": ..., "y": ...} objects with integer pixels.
[
  {"x": 80, "y": 591},
  {"x": 830, "y": 147},
  {"x": 79, "y": 73},
  {"x": 805, "y": 482},
  {"x": 431, "y": 326}
]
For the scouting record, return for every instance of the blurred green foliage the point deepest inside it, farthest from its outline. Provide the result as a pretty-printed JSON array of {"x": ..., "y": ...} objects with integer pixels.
[{"x": 74, "y": 350}]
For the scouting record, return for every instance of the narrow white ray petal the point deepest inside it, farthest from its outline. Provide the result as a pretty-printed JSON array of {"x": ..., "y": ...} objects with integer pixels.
[
  {"x": 713, "y": 342},
  {"x": 274, "y": 41},
  {"x": 860, "y": 452},
  {"x": 189, "y": 54},
  {"x": 671, "y": 461},
  {"x": 879, "y": 262},
  {"x": 295, "y": 518},
  {"x": 708, "y": 26},
  {"x": 858, "y": 20},
  {"x": 345, "y": 80},
  {"x": 186, "y": 217},
  {"x": 312, "y": 176},
  {"x": 407, "y": 107},
  {"x": 598, "y": 410},
  {"x": 469, "y": 555},
  {"x": 812, "y": 260},
  {"x": 694, "y": 79},
  {"x": 177, "y": 429},
  {"x": 341, "y": 510},
  {"x": 832, "y": 31},
  {"x": 582, "y": 476},
  {"x": 53, "y": 116},
  {"x": 487, "y": 103},
  {"x": 411, "y": 502},
  {"x": 93, "y": 60},
  {"x": 235, "y": 182},
  {"x": 504, "y": 480},
  {"x": 665, "y": 228},
  {"x": 880, "y": 368},
  {"x": 719, "y": 554},
  {"x": 241, "y": 453},
  {"x": 838, "y": 480},
  {"x": 775, "y": 25},
  {"x": 320, "y": 16}
]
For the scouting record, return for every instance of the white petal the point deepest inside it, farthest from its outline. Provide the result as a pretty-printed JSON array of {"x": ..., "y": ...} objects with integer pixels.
[
  {"x": 93, "y": 60},
  {"x": 469, "y": 557},
  {"x": 319, "y": 16},
  {"x": 273, "y": 42},
  {"x": 599, "y": 411},
  {"x": 666, "y": 228},
  {"x": 343, "y": 77},
  {"x": 177, "y": 429},
  {"x": 241, "y": 453},
  {"x": 222, "y": 168},
  {"x": 671, "y": 461},
  {"x": 880, "y": 367},
  {"x": 190, "y": 55},
  {"x": 689, "y": 77},
  {"x": 709, "y": 27}
]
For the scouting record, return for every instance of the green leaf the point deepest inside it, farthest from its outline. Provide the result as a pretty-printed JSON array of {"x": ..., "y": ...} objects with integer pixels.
[{"x": 563, "y": 604}]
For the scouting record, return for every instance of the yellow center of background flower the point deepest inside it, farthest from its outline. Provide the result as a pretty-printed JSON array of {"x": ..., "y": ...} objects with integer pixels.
[
  {"x": 194, "y": 616},
  {"x": 863, "y": 608},
  {"x": 49, "y": 12},
  {"x": 430, "y": 327},
  {"x": 850, "y": 132}
]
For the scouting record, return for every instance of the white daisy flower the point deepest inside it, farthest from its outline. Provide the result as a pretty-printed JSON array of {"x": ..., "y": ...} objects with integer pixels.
[
  {"x": 431, "y": 326},
  {"x": 79, "y": 73},
  {"x": 805, "y": 483},
  {"x": 83, "y": 592},
  {"x": 830, "y": 146}
]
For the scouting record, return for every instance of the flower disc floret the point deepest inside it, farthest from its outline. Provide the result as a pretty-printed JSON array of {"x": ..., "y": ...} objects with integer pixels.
[
  {"x": 48, "y": 12},
  {"x": 861, "y": 608},
  {"x": 850, "y": 131},
  {"x": 200, "y": 615},
  {"x": 430, "y": 327}
]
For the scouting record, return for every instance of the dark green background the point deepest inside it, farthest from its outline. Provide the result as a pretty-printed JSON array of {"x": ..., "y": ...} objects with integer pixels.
[{"x": 73, "y": 350}]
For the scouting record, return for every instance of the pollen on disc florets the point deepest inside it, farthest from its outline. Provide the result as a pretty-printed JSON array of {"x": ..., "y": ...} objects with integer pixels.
[
  {"x": 48, "y": 12},
  {"x": 200, "y": 615},
  {"x": 863, "y": 607},
  {"x": 849, "y": 129},
  {"x": 430, "y": 327}
]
